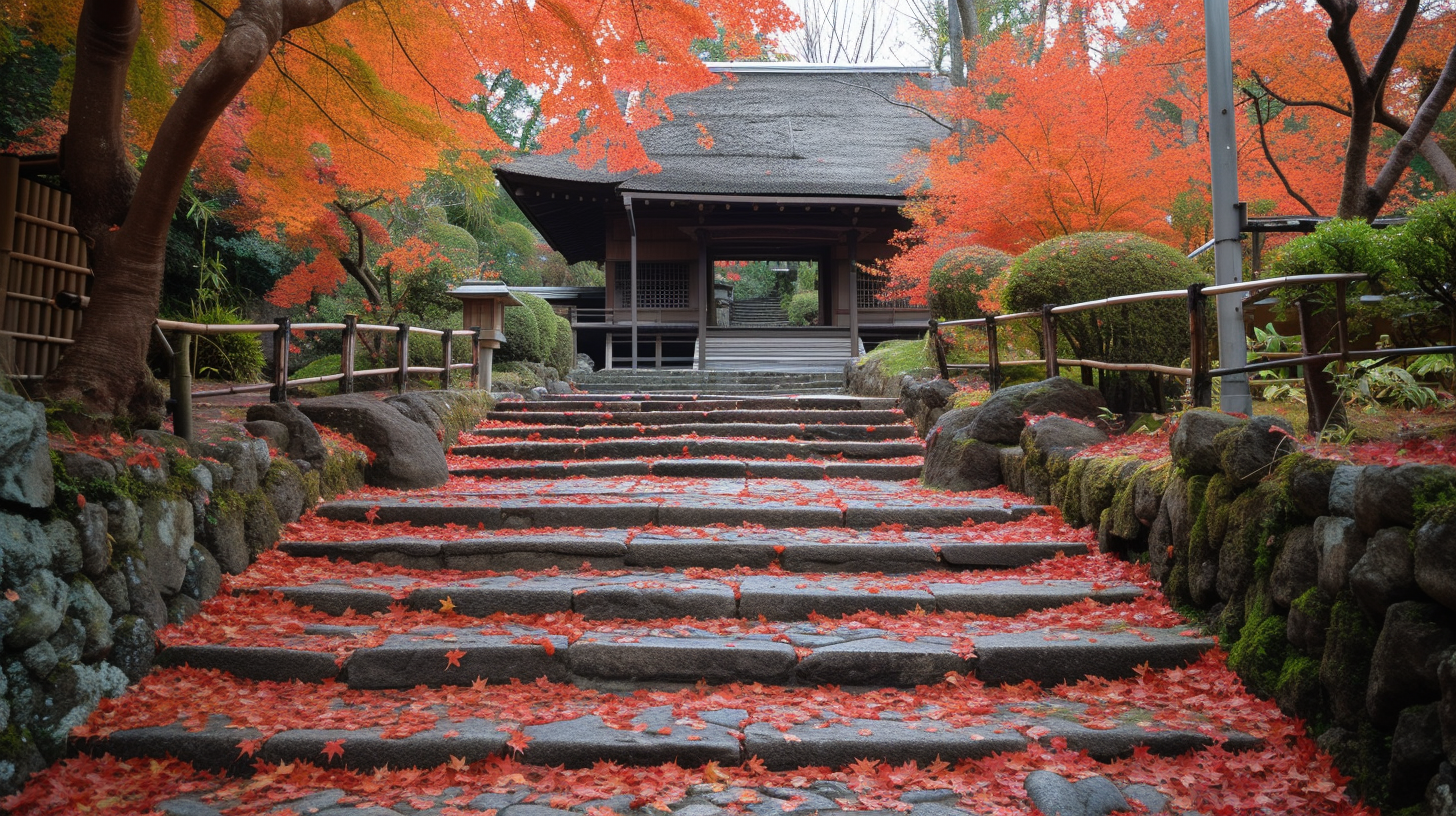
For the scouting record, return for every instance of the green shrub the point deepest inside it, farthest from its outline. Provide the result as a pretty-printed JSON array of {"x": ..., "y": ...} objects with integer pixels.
[
  {"x": 803, "y": 308},
  {"x": 1094, "y": 265},
  {"x": 523, "y": 336},
  {"x": 227, "y": 357},
  {"x": 561, "y": 357},
  {"x": 962, "y": 277},
  {"x": 1425, "y": 254}
]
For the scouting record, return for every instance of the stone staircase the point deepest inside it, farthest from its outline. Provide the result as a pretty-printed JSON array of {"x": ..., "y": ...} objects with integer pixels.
[
  {"x": 759, "y": 312},
  {"x": 590, "y": 589},
  {"x": 689, "y": 382}
]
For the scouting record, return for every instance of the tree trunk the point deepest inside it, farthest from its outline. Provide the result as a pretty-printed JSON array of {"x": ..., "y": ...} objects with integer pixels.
[
  {"x": 105, "y": 370},
  {"x": 956, "y": 35},
  {"x": 1322, "y": 400}
]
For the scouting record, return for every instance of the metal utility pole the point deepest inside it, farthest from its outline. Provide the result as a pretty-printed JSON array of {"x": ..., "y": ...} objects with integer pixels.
[{"x": 1228, "y": 262}]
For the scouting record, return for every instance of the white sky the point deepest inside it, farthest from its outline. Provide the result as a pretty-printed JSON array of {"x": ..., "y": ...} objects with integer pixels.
[{"x": 900, "y": 42}]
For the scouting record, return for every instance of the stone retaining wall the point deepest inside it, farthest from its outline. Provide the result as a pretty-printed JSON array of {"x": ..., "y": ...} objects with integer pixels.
[
  {"x": 102, "y": 543},
  {"x": 1332, "y": 586}
]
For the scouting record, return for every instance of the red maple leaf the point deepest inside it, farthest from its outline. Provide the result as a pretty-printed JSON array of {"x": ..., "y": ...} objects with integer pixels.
[
  {"x": 333, "y": 748},
  {"x": 452, "y": 658}
]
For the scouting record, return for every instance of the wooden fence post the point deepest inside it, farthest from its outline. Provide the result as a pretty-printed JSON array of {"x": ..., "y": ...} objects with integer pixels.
[
  {"x": 1200, "y": 385},
  {"x": 182, "y": 387},
  {"x": 1322, "y": 399},
  {"x": 281, "y": 336},
  {"x": 936, "y": 341},
  {"x": 475, "y": 378},
  {"x": 993, "y": 354},
  {"x": 401, "y": 345},
  {"x": 1049, "y": 340},
  {"x": 446, "y": 351},
  {"x": 346, "y": 354}
]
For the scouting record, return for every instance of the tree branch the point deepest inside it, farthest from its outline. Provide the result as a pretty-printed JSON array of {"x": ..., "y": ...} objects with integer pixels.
[
  {"x": 1341, "y": 12},
  {"x": 1385, "y": 60},
  {"x": 1441, "y": 164},
  {"x": 1269, "y": 156},
  {"x": 927, "y": 114},
  {"x": 1298, "y": 103},
  {"x": 94, "y": 159},
  {"x": 1420, "y": 128}
]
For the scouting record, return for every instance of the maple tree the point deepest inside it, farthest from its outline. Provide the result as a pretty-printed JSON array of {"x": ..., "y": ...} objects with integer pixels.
[{"x": 307, "y": 97}]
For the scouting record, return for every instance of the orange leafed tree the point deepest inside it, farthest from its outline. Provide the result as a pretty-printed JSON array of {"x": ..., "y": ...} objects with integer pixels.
[
  {"x": 1095, "y": 118},
  {"x": 290, "y": 102}
]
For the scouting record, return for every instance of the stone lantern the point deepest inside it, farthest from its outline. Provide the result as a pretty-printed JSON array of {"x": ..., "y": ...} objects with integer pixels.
[{"x": 485, "y": 307}]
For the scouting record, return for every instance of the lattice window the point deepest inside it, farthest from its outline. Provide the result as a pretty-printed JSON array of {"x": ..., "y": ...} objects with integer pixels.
[
  {"x": 869, "y": 288},
  {"x": 659, "y": 285}
]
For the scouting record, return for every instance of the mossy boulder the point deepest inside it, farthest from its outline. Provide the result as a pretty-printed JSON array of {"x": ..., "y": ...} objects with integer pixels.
[
  {"x": 1298, "y": 691},
  {"x": 1408, "y": 652},
  {"x": 1259, "y": 654},
  {"x": 1307, "y": 483},
  {"x": 1385, "y": 574},
  {"x": 1001, "y": 418},
  {"x": 1341, "y": 545},
  {"x": 1309, "y": 620},
  {"x": 283, "y": 486},
  {"x": 1435, "y": 557},
  {"x": 1296, "y": 568},
  {"x": 1387, "y": 497},
  {"x": 1193, "y": 442},
  {"x": 1248, "y": 452},
  {"x": 1345, "y": 667},
  {"x": 1050, "y": 443}
]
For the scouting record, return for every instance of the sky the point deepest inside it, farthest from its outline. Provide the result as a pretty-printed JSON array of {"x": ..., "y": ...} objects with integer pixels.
[{"x": 897, "y": 40}]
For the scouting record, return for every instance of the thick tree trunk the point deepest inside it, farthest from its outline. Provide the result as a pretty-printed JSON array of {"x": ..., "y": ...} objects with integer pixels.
[{"x": 105, "y": 370}]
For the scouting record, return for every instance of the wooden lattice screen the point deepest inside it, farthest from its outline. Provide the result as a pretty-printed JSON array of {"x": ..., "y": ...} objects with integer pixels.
[
  {"x": 41, "y": 255},
  {"x": 871, "y": 287},
  {"x": 660, "y": 285}
]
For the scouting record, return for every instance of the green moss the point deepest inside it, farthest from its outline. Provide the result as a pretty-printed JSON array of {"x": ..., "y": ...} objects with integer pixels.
[
  {"x": 1313, "y": 603},
  {"x": 900, "y": 357},
  {"x": 312, "y": 488},
  {"x": 1198, "y": 511},
  {"x": 1298, "y": 691},
  {"x": 1071, "y": 493},
  {"x": 1435, "y": 496},
  {"x": 1262, "y": 648},
  {"x": 1345, "y": 669}
]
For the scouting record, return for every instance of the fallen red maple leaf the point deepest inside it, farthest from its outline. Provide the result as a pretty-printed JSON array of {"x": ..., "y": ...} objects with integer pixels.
[
  {"x": 452, "y": 658},
  {"x": 333, "y": 748}
]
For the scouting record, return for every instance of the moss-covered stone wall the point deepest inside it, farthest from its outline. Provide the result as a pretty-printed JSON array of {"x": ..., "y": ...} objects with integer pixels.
[{"x": 1332, "y": 586}]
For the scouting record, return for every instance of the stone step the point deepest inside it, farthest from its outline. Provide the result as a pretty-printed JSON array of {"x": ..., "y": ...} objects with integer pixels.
[
  {"x": 655, "y": 595},
  {"x": 699, "y": 402},
  {"x": 575, "y": 451},
  {"x": 846, "y": 433},
  {"x": 798, "y": 551},
  {"x": 647, "y": 735},
  {"x": 609, "y": 414},
  {"x": 496, "y": 512},
  {"x": 692, "y": 468},
  {"x": 803, "y": 654},
  {"x": 680, "y": 376},
  {"x": 722, "y": 391}
]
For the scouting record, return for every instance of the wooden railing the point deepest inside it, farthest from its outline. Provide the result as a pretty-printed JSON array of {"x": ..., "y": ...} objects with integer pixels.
[
  {"x": 277, "y": 387},
  {"x": 1199, "y": 373}
]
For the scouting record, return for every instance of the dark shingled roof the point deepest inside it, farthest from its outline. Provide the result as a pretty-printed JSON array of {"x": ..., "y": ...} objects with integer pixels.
[{"x": 776, "y": 131}]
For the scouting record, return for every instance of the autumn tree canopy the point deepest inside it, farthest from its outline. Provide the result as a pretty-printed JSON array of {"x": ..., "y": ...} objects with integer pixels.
[
  {"x": 1092, "y": 116},
  {"x": 294, "y": 101}
]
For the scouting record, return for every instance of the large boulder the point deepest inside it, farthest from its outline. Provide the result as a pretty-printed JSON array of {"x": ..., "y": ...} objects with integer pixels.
[
  {"x": 1386, "y": 497},
  {"x": 954, "y": 460},
  {"x": 1341, "y": 546},
  {"x": 304, "y": 442},
  {"x": 1001, "y": 419},
  {"x": 406, "y": 454},
  {"x": 25, "y": 459},
  {"x": 1415, "y": 754},
  {"x": 1435, "y": 558},
  {"x": 1052, "y": 441},
  {"x": 1193, "y": 443},
  {"x": 1247, "y": 452},
  {"x": 924, "y": 401},
  {"x": 1414, "y": 642},
  {"x": 1385, "y": 574},
  {"x": 1296, "y": 568}
]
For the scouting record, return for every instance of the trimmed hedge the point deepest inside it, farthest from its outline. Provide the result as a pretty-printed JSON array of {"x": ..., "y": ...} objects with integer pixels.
[{"x": 961, "y": 277}]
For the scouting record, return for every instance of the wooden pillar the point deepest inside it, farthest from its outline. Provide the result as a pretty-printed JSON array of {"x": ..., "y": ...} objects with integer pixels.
[
  {"x": 658, "y": 346},
  {"x": 475, "y": 360},
  {"x": 853, "y": 295},
  {"x": 346, "y": 353},
  {"x": 281, "y": 334},
  {"x": 705, "y": 298},
  {"x": 607, "y": 354},
  {"x": 401, "y": 345},
  {"x": 993, "y": 354},
  {"x": 1200, "y": 385},
  {"x": 632, "y": 273},
  {"x": 182, "y": 387},
  {"x": 1049, "y": 340},
  {"x": 445, "y": 340},
  {"x": 9, "y": 184}
]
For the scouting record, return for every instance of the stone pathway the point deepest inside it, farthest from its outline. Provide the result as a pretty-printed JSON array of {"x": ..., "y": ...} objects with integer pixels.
[{"x": 595, "y": 617}]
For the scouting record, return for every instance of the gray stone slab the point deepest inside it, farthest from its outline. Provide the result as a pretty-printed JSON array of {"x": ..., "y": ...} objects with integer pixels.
[
  {"x": 863, "y": 517},
  {"x": 610, "y": 544},
  {"x": 606, "y": 468},
  {"x": 700, "y": 468},
  {"x": 336, "y": 599},
  {"x": 521, "y": 515},
  {"x": 214, "y": 748},
  {"x": 882, "y": 661},
  {"x": 874, "y": 470},
  {"x": 254, "y": 662},
  {"x": 537, "y": 470},
  {"x": 765, "y": 514},
  {"x": 855, "y": 556},
  {"x": 1012, "y": 597},
  {"x": 365, "y": 749},
  {"x": 419, "y": 513},
  {"x": 583, "y": 742},
  {"x": 891, "y": 742},
  {"x": 486, "y": 596},
  {"x": 793, "y": 598},
  {"x": 680, "y": 553},
  {"x": 1108, "y": 744},
  {"x": 406, "y": 661},
  {"x": 785, "y": 470},
  {"x": 685, "y": 659},
  {"x": 395, "y": 544},
  {"x": 1008, "y": 554},
  {"x": 644, "y": 601},
  {"x": 1051, "y": 658}
]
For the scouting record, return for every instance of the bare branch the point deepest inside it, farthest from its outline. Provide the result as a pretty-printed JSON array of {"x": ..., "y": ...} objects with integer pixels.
[
  {"x": 1269, "y": 155},
  {"x": 1298, "y": 103},
  {"x": 1420, "y": 128},
  {"x": 927, "y": 114},
  {"x": 295, "y": 83}
]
